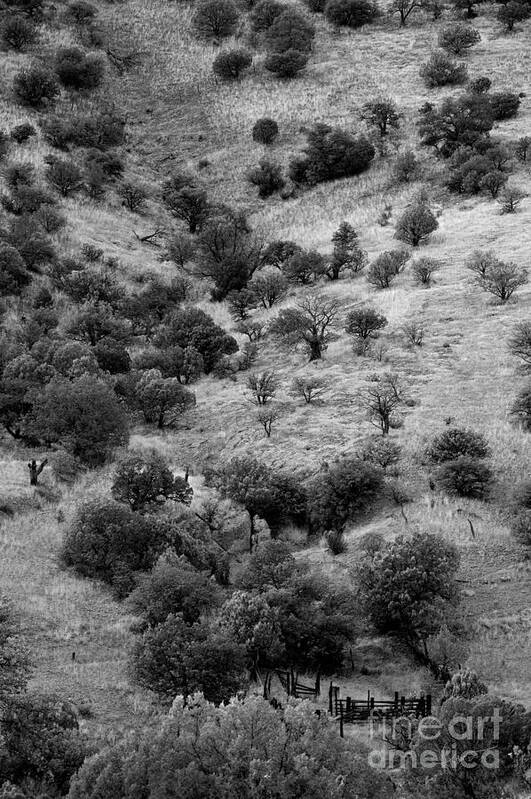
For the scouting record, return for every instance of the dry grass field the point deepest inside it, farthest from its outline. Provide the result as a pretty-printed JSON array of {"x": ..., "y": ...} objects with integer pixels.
[{"x": 179, "y": 115}]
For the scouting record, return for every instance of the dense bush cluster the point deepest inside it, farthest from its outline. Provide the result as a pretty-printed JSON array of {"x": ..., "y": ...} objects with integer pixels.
[
  {"x": 330, "y": 154},
  {"x": 460, "y": 454},
  {"x": 350, "y": 13}
]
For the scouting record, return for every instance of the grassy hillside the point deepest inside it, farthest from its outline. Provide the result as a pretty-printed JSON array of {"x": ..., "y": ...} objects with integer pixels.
[{"x": 179, "y": 115}]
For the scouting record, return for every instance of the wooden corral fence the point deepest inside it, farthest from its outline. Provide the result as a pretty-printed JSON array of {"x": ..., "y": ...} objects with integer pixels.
[
  {"x": 364, "y": 711},
  {"x": 291, "y": 684}
]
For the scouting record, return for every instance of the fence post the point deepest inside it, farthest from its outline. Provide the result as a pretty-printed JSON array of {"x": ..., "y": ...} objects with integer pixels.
[
  {"x": 341, "y": 721},
  {"x": 371, "y": 708},
  {"x": 369, "y": 699},
  {"x": 330, "y": 692},
  {"x": 396, "y": 703},
  {"x": 336, "y": 698},
  {"x": 318, "y": 684},
  {"x": 402, "y": 704},
  {"x": 421, "y": 707}
]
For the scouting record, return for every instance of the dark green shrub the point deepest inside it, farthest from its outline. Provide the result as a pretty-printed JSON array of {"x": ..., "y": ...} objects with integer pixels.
[
  {"x": 339, "y": 495},
  {"x": 268, "y": 177},
  {"x": 81, "y": 12},
  {"x": 458, "y": 38},
  {"x": 415, "y": 224},
  {"x": 171, "y": 589},
  {"x": 467, "y": 171},
  {"x": 19, "y": 32},
  {"x": 274, "y": 496},
  {"x": 215, "y": 19},
  {"x": 230, "y": 65},
  {"x": 406, "y": 167},
  {"x": 191, "y": 327},
  {"x": 26, "y": 200},
  {"x": 133, "y": 196},
  {"x": 423, "y": 270},
  {"x": 382, "y": 452},
  {"x": 335, "y": 540},
  {"x": 364, "y": 325},
  {"x": 442, "y": 70},
  {"x": 30, "y": 8},
  {"x": 504, "y": 105},
  {"x": 27, "y": 237},
  {"x": 480, "y": 85},
  {"x": 265, "y": 130},
  {"x": 287, "y": 64},
  {"x": 91, "y": 253},
  {"x": 264, "y": 14},
  {"x": 278, "y": 252},
  {"x": 513, "y": 12},
  {"x": 175, "y": 658},
  {"x": 21, "y": 133},
  {"x": 13, "y": 273},
  {"x": 109, "y": 163},
  {"x": 94, "y": 37},
  {"x": 521, "y": 408},
  {"x": 386, "y": 267},
  {"x": 50, "y": 219},
  {"x": 78, "y": 71},
  {"x": 65, "y": 356},
  {"x": 143, "y": 481},
  {"x": 99, "y": 131},
  {"x": 84, "y": 415},
  {"x": 41, "y": 743},
  {"x": 350, "y": 13},
  {"x": 268, "y": 286},
  {"x": 465, "y": 477},
  {"x": 521, "y": 527},
  {"x": 4, "y": 144},
  {"x": 108, "y": 541},
  {"x": 65, "y": 176},
  {"x": 522, "y": 496},
  {"x": 457, "y": 442},
  {"x": 493, "y": 182},
  {"x": 316, "y": 6},
  {"x": 290, "y": 31},
  {"x": 330, "y": 154},
  {"x": 36, "y": 87},
  {"x": 19, "y": 173},
  {"x": 186, "y": 202},
  {"x": 112, "y": 356},
  {"x": 463, "y": 121},
  {"x": 304, "y": 267},
  {"x": 408, "y": 586}
]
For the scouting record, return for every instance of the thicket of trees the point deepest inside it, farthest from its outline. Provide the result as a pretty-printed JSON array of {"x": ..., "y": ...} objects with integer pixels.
[{"x": 291, "y": 751}]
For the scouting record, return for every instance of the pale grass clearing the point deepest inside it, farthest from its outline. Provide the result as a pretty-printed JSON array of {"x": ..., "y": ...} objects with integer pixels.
[
  {"x": 192, "y": 115},
  {"x": 62, "y": 614}
]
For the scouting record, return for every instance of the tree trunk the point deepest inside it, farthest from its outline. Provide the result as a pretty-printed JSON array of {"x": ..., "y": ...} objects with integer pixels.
[
  {"x": 252, "y": 532},
  {"x": 35, "y": 470},
  {"x": 315, "y": 350}
]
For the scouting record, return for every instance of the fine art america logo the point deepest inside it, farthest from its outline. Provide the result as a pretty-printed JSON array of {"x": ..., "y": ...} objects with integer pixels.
[{"x": 461, "y": 742}]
